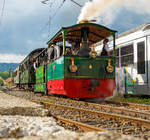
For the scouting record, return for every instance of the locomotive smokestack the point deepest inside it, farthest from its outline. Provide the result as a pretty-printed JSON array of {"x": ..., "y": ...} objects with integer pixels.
[
  {"x": 84, "y": 50},
  {"x": 87, "y": 21},
  {"x": 84, "y": 35}
]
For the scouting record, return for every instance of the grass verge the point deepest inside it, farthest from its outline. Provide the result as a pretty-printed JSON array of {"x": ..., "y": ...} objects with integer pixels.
[{"x": 139, "y": 99}]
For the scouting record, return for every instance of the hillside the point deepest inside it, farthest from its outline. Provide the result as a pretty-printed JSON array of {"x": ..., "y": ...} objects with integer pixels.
[{"x": 6, "y": 66}]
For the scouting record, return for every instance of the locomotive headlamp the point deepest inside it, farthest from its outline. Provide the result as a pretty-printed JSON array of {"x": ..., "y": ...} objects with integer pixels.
[
  {"x": 109, "y": 68},
  {"x": 73, "y": 67},
  {"x": 93, "y": 53}
]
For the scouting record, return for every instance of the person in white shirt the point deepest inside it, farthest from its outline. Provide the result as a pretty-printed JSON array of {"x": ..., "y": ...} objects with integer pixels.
[
  {"x": 56, "y": 50},
  {"x": 50, "y": 49}
]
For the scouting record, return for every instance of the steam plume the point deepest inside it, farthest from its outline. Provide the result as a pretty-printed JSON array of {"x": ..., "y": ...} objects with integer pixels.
[{"x": 107, "y": 10}]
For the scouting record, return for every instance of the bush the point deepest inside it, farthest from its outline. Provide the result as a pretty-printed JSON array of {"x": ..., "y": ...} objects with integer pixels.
[
  {"x": 1, "y": 82},
  {"x": 4, "y": 75}
]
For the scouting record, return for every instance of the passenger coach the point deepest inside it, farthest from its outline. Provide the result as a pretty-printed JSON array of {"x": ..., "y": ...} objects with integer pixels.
[{"x": 24, "y": 74}]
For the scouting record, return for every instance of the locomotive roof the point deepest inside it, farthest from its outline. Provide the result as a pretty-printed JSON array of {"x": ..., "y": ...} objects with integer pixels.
[{"x": 96, "y": 33}]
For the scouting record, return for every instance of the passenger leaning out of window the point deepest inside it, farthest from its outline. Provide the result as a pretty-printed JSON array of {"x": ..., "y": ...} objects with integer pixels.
[
  {"x": 105, "y": 50},
  {"x": 56, "y": 50}
]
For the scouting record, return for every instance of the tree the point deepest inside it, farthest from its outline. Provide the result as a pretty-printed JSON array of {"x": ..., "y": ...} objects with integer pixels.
[
  {"x": 1, "y": 82},
  {"x": 9, "y": 71},
  {"x": 4, "y": 75}
]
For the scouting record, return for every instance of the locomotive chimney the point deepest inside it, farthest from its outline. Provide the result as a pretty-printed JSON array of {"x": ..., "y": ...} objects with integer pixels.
[{"x": 84, "y": 35}]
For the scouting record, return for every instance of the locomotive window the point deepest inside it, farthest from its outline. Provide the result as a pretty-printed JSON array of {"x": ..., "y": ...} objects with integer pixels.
[
  {"x": 127, "y": 56},
  {"x": 141, "y": 58}
]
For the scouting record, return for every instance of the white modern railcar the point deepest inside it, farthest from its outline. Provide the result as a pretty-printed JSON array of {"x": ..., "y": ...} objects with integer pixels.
[{"x": 133, "y": 60}]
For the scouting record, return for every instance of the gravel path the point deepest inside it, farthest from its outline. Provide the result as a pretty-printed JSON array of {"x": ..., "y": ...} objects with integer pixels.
[{"x": 7, "y": 101}]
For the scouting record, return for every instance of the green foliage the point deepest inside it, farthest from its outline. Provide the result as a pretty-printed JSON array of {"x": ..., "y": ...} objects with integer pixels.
[
  {"x": 9, "y": 71},
  {"x": 4, "y": 75},
  {"x": 1, "y": 82}
]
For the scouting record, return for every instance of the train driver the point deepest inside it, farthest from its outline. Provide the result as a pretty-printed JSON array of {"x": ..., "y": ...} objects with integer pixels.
[
  {"x": 105, "y": 50},
  {"x": 84, "y": 49}
]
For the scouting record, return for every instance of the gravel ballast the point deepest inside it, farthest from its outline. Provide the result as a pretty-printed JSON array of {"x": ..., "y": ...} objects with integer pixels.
[{"x": 21, "y": 119}]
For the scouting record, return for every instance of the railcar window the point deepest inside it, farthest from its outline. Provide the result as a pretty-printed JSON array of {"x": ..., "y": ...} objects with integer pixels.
[
  {"x": 141, "y": 58},
  {"x": 127, "y": 55},
  {"x": 126, "y": 60}
]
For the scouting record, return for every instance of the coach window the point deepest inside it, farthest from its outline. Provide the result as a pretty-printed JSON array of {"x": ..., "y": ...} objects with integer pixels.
[
  {"x": 127, "y": 55},
  {"x": 141, "y": 57}
]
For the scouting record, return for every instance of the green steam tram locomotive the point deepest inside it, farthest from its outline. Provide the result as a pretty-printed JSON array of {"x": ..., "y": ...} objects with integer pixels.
[{"x": 70, "y": 65}]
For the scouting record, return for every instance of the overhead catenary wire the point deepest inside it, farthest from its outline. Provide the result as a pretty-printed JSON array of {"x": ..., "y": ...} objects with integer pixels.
[
  {"x": 77, "y": 3},
  {"x": 2, "y": 12},
  {"x": 51, "y": 16},
  {"x": 62, "y": 3},
  {"x": 49, "y": 21},
  {"x": 44, "y": 1}
]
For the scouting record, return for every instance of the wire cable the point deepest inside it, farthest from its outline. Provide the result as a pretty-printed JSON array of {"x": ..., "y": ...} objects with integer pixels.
[
  {"x": 51, "y": 16},
  {"x": 58, "y": 8},
  {"x": 77, "y": 3},
  {"x": 2, "y": 13}
]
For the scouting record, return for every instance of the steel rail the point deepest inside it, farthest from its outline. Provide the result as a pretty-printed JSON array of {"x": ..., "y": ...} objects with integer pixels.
[
  {"x": 132, "y": 105},
  {"x": 84, "y": 127},
  {"x": 123, "y": 111}
]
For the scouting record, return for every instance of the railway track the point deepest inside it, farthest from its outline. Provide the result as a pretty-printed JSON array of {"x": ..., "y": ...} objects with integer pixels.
[
  {"x": 109, "y": 108},
  {"x": 109, "y": 116},
  {"x": 133, "y": 110},
  {"x": 129, "y": 109},
  {"x": 105, "y": 121}
]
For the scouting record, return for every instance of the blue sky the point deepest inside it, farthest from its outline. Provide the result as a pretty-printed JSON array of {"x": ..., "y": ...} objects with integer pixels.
[{"x": 24, "y": 23}]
